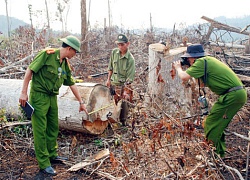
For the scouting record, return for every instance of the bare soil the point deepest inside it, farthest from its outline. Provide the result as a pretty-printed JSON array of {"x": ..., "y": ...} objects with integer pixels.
[{"x": 149, "y": 147}]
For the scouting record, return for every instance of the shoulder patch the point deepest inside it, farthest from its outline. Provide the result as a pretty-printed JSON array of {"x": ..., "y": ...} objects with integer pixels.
[{"x": 50, "y": 51}]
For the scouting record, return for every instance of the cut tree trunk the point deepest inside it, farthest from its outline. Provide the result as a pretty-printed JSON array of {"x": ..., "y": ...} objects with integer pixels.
[{"x": 97, "y": 99}]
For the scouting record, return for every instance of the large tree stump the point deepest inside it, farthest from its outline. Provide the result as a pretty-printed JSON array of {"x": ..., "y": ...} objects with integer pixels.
[{"x": 97, "y": 99}]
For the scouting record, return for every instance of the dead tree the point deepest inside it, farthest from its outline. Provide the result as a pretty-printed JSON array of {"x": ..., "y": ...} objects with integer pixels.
[
  {"x": 220, "y": 26},
  {"x": 7, "y": 15},
  {"x": 84, "y": 29}
]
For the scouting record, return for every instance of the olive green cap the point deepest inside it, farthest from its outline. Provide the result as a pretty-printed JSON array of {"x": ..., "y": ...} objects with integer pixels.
[
  {"x": 121, "y": 38},
  {"x": 73, "y": 42}
]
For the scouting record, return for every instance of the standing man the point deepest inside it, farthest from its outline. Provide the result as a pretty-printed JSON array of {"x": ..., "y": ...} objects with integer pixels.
[
  {"x": 48, "y": 71},
  {"x": 222, "y": 81},
  {"x": 121, "y": 73}
]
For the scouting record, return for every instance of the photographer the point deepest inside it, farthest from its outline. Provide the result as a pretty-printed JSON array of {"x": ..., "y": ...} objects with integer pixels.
[{"x": 221, "y": 80}]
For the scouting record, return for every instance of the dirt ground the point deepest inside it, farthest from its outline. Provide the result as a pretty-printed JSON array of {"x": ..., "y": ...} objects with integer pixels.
[{"x": 147, "y": 148}]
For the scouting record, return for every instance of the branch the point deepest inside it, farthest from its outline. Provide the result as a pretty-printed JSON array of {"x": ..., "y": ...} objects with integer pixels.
[
  {"x": 2, "y": 70},
  {"x": 239, "y": 135},
  {"x": 15, "y": 124},
  {"x": 235, "y": 170},
  {"x": 90, "y": 160}
]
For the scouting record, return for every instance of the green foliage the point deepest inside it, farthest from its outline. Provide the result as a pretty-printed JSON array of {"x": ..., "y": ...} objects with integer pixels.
[
  {"x": 98, "y": 143},
  {"x": 23, "y": 131},
  {"x": 143, "y": 131},
  {"x": 117, "y": 142},
  {"x": 3, "y": 118}
]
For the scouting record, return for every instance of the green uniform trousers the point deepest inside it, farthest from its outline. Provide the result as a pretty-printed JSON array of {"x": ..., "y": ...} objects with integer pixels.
[
  {"x": 220, "y": 116},
  {"x": 45, "y": 127}
]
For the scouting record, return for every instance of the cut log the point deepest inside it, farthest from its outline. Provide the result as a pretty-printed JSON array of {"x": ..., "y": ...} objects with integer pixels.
[{"x": 96, "y": 97}]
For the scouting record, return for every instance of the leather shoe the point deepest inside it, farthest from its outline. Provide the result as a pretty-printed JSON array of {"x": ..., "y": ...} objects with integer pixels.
[
  {"x": 49, "y": 171},
  {"x": 58, "y": 159}
]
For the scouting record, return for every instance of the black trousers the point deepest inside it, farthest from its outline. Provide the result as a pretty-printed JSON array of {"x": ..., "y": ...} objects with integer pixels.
[{"x": 124, "y": 112}]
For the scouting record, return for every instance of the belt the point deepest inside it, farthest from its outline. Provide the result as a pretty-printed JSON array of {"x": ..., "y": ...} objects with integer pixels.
[{"x": 234, "y": 89}]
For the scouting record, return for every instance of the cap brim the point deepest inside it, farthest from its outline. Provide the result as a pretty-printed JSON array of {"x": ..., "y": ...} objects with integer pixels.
[
  {"x": 120, "y": 42},
  {"x": 194, "y": 55},
  {"x": 66, "y": 42}
]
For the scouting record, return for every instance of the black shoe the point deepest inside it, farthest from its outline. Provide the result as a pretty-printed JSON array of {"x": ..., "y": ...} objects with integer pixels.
[
  {"x": 58, "y": 159},
  {"x": 49, "y": 171}
]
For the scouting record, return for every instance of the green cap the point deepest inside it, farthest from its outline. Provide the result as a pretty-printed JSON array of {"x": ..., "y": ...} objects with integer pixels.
[
  {"x": 73, "y": 42},
  {"x": 121, "y": 38}
]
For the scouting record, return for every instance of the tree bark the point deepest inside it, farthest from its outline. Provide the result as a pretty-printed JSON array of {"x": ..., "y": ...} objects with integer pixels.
[
  {"x": 7, "y": 15},
  {"x": 84, "y": 29},
  {"x": 96, "y": 97}
]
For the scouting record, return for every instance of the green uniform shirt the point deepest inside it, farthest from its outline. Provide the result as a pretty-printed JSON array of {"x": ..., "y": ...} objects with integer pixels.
[
  {"x": 123, "y": 67},
  {"x": 220, "y": 77},
  {"x": 48, "y": 74}
]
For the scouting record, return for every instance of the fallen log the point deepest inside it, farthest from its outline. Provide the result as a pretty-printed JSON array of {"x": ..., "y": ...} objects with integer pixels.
[
  {"x": 96, "y": 97},
  {"x": 227, "y": 45},
  {"x": 4, "y": 69}
]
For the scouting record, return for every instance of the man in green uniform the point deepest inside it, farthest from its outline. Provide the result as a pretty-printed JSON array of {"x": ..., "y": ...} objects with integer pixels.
[
  {"x": 121, "y": 73},
  {"x": 222, "y": 81},
  {"x": 48, "y": 71}
]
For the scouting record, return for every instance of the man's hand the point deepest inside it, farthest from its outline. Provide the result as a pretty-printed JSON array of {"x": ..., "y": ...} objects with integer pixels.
[
  {"x": 177, "y": 64},
  {"x": 182, "y": 74},
  {"x": 22, "y": 99},
  {"x": 108, "y": 83},
  {"x": 83, "y": 108}
]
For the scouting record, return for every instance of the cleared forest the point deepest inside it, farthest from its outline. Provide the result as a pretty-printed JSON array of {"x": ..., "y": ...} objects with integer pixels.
[{"x": 154, "y": 145}]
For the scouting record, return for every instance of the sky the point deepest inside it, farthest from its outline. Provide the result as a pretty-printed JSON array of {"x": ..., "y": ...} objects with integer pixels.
[{"x": 130, "y": 14}]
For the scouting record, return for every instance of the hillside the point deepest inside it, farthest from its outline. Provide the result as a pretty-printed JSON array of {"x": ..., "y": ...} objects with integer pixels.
[
  {"x": 239, "y": 22},
  {"x": 14, "y": 23},
  {"x": 236, "y": 22}
]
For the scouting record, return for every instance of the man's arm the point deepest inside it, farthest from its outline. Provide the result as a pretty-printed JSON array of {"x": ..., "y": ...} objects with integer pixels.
[
  {"x": 24, "y": 95},
  {"x": 131, "y": 72},
  {"x": 78, "y": 97},
  {"x": 108, "y": 83},
  {"x": 182, "y": 74}
]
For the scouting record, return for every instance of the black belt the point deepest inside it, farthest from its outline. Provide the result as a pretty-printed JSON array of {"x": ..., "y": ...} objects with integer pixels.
[{"x": 234, "y": 89}]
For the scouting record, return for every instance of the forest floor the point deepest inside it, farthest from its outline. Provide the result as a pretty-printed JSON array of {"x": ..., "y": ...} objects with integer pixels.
[{"x": 149, "y": 147}]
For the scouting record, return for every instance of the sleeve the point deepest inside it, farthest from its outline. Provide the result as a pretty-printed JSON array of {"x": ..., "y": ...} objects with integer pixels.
[
  {"x": 38, "y": 61},
  {"x": 197, "y": 69},
  {"x": 110, "y": 66},
  {"x": 69, "y": 81},
  {"x": 131, "y": 70}
]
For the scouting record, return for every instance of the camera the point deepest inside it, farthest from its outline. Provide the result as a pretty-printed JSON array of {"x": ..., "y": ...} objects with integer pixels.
[
  {"x": 203, "y": 104},
  {"x": 184, "y": 61}
]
